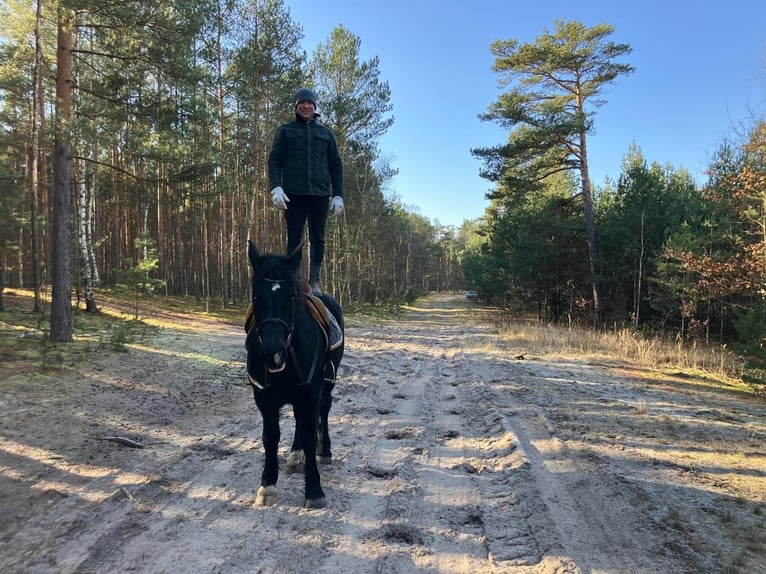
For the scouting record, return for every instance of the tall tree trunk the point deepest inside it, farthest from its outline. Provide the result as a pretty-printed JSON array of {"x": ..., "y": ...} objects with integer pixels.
[
  {"x": 162, "y": 242},
  {"x": 44, "y": 194},
  {"x": 224, "y": 186},
  {"x": 91, "y": 218},
  {"x": 85, "y": 194},
  {"x": 637, "y": 306},
  {"x": 34, "y": 154},
  {"x": 116, "y": 233},
  {"x": 61, "y": 303},
  {"x": 235, "y": 284},
  {"x": 590, "y": 234},
  {"x": 206, "y": 224},
  {"x": 20, "y": 258},
  {"x": 90, "y": 299}
]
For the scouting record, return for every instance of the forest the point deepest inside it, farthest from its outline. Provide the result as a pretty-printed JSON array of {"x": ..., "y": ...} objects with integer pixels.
[{"x": 133, "y": 146}]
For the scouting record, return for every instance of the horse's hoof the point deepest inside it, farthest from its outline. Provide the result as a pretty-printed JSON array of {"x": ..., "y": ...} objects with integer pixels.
[
  {"x": 266, "y": 496},
  {"x": 324, "y": 459},
  {"x": 295, "y": 462},
  {"x": 313, "y": 503}
]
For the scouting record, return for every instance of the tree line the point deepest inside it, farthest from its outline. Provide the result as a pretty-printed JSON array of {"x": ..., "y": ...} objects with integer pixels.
[
  {"x": 654, "y": 250},
  {"x": 135, "y": 140}
]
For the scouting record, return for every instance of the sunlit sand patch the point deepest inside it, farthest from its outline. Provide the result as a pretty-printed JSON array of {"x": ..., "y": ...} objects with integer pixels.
[
  {"x": 53, "y": 460},
  {"x": 212, "y": 361}
]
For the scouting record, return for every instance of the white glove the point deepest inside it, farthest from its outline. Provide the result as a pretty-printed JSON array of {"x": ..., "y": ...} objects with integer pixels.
[
  {"x": 279, "y": 197},
  {"x": 336, "y": 206}
]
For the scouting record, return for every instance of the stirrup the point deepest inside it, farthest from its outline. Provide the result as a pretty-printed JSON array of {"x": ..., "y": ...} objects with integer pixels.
[{"x": 329, "y": 372}]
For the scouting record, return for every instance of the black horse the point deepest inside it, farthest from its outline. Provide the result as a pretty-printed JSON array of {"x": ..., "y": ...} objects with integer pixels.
[{"x": 290, "y": 361}]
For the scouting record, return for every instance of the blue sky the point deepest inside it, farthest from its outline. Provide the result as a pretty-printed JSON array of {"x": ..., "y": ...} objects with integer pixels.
[{"x": 700, "y": 76}]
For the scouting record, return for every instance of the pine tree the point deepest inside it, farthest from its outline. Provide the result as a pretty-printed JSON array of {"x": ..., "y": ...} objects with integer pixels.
[{"x": 556, "y": 78}]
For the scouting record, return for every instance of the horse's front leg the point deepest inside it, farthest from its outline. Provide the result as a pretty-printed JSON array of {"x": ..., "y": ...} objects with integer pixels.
[
  {"x": 307, "y": 415},
  {"x": 296, "y": 458},
  {"x": 267, "y": 493},
  {"x": 324, "y": 450}
]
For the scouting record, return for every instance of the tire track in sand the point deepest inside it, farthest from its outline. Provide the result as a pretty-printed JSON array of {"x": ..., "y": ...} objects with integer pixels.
[{"x": 459, "y": 489}]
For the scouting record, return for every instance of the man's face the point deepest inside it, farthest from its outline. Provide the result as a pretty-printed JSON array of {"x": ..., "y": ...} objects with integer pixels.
[{"x": 305, "y": 109}]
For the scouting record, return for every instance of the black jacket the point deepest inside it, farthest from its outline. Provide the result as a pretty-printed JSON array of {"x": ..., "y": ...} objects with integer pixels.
[{"x": 304, "y": 160}]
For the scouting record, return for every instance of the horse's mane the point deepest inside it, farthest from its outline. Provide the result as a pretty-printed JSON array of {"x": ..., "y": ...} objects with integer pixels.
[{"x": 303, "y": 290}]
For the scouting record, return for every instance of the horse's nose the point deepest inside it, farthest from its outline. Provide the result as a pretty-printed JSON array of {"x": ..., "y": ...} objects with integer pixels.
[{"x": 275, "y": 360}]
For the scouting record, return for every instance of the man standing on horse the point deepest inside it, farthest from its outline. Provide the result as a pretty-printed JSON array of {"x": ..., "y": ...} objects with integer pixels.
[{"x": 305, "y": 171}]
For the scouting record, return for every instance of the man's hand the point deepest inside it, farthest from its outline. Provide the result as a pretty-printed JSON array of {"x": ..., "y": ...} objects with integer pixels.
[
  {"x": 279, "y": 197},
  {"x": 336, "y": 206}
]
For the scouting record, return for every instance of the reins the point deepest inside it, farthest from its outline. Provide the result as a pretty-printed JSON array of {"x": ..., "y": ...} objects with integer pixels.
[{"x": 314, "y": 362}]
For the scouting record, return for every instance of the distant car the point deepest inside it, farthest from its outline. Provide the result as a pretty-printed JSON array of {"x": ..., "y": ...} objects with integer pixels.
[{"x": 472, "y": 295}]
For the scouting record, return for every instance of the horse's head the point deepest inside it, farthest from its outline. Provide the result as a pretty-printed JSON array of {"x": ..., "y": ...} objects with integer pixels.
[{"x": 275, "y": 296}]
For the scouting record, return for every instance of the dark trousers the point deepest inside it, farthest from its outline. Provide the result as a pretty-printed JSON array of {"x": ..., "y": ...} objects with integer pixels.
[{"x": 314, "y": 209}]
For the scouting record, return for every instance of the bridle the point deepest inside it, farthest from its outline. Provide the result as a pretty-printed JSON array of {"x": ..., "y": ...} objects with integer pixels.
[{"x": 289, "y": 329}]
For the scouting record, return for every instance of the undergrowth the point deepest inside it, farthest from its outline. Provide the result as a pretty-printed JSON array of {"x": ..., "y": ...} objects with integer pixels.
[
  {"x": 626, "y": 345},
  {"x": 25, "y": 340}
]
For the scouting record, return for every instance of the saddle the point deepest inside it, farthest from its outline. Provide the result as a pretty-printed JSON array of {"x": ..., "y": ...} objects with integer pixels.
[{"x": 325, "y": 319}]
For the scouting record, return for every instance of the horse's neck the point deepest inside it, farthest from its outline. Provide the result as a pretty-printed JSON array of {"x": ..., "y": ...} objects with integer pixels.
[{"x": 306, "y": 324}]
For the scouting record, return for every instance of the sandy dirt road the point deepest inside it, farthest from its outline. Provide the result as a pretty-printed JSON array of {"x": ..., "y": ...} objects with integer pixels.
[{"x": 453, "y": 454}]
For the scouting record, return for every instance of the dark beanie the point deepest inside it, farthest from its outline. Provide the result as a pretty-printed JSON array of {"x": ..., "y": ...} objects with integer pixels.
[{"x": 304, "y": 94}]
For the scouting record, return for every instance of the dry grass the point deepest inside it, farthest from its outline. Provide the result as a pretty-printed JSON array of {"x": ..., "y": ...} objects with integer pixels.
[{"x": 623, "y": 345}]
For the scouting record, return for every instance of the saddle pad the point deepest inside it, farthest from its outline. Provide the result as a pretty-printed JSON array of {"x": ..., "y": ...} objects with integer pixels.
[
  {"x": 327, "y": 321},
  {"x": 318, "y": 309}
]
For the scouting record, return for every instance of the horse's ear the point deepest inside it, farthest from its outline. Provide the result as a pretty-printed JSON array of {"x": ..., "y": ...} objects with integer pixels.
[
  {"x": 295, "y": 257},
  {"x": 252, "y": 253}
]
